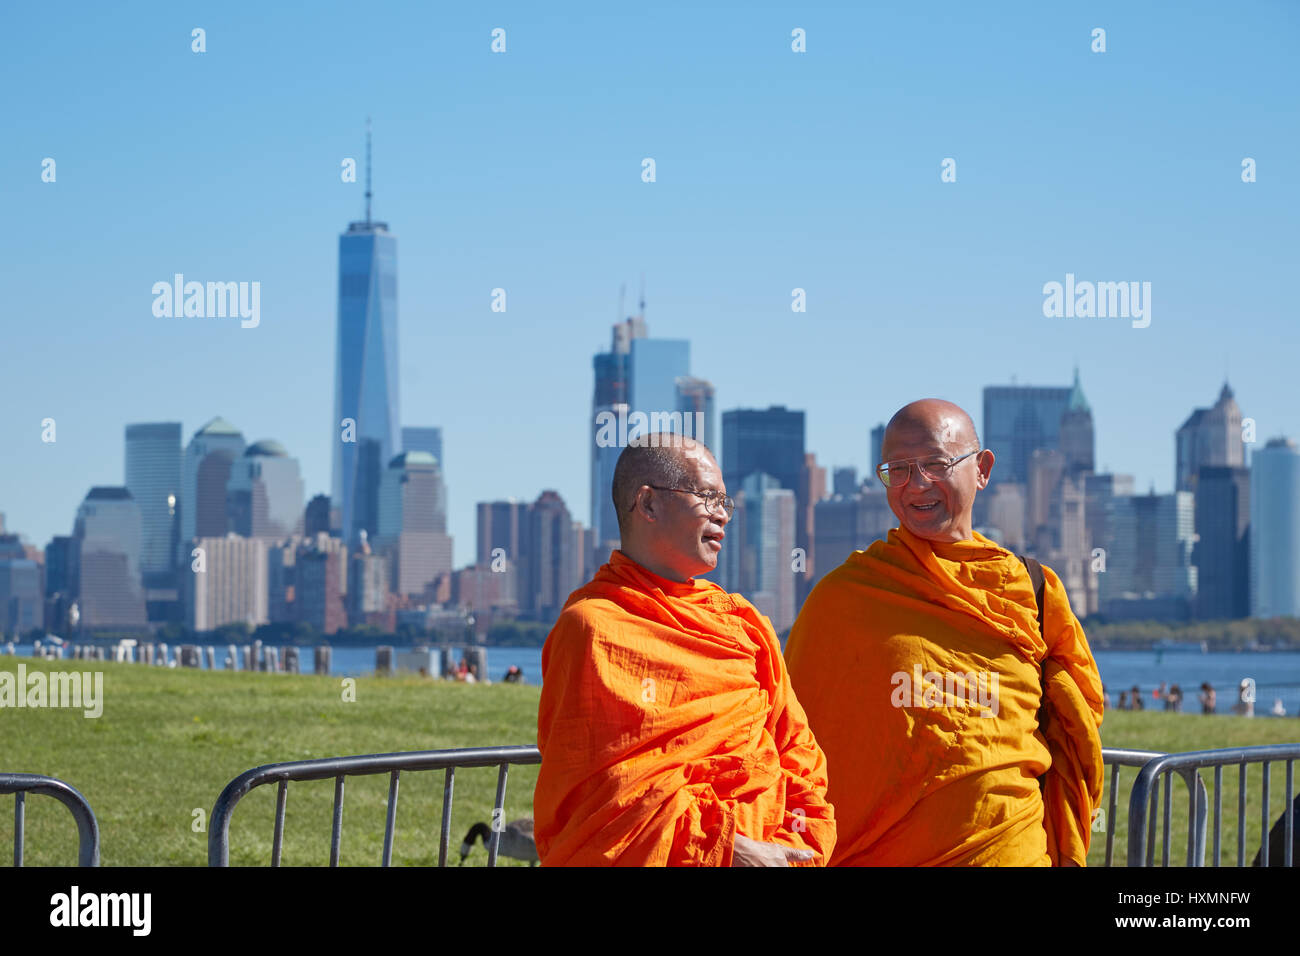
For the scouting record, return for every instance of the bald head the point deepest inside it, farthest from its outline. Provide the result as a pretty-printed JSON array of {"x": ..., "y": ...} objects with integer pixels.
[
  {"x": 663, "y": 458},
  {"x": 663, "y": 524},
  {"x": 933, "y": 495},
  {"x": 935, "y": 419}
]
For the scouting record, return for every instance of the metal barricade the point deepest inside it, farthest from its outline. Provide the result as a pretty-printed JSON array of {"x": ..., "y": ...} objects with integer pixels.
[
  {"x": 1146, "y": 789},
  {"x": 340, "y": 767},
  {"x": 21, "y": 784},
  {"x": 1114, "y": 758}
]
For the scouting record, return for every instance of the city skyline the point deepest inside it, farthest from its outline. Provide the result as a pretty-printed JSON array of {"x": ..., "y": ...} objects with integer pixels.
[{"x": 913, "y": 286}]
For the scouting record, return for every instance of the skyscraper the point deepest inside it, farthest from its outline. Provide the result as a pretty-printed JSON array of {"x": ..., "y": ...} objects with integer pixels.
[
  {"x": 1210, "y": 436},
  {"x": 695, "y": 398},
  {"x": 642, "y": 385},
  {"x": 844, "y": 481},
  {"x": 1076, "y": 434},
  {"x": 1019, "y": 420},
  {"x": 1222, "y": 552},
  {"x": 264, "y": 494},
  {"x": 206, "y": 466},
  {"x": 153, "y": 476},
  {"x": 810, "y": 490},
  {"x": 106, "y": 561},
  {"x": 427, "y": 439},
  {"x": 877, "y": 442},
  {"x": 364, "y": 432},
  {"x": 553, "y": 564},
  {"x": 1275, "y": 530},
  {"x": 1149, "y": 572},
  {"x": 767, "y": 536},
  {"x": 771, "y": 441},
  {"x": 610, "y": 397},
  {"x": 653, "y": 369},
  {"x": 22, "y": 603},
  {"x": 412, "y": 523}
]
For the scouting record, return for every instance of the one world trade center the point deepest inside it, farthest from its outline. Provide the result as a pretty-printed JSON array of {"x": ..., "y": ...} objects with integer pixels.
[{"x": 366, "y": 423}]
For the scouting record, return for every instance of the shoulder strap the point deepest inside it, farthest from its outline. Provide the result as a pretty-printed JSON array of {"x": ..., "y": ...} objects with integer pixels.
[
  {"x": 1039, "y": 581},
  {"x": 1040, "y": 584}
]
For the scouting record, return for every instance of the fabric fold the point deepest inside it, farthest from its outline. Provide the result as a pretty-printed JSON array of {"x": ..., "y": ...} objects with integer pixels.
[
  {"x": 945, "y": 773},
  {"x": 667, "y": 726}
]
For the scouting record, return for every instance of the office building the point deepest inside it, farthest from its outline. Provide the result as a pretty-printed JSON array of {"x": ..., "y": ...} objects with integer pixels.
[
  {"x": 205, "y": 472},
  {"x": 1149, "y": 572},
  {"x": 264, "y": 496},
  {"x": 1222, "y": 552},
  {"x": 1210, "y": 436},
  {"x": 105, "y": 568},
  {"x": 425, "y": 439},
  {"x": 364, "y": 432},
  {"x": 412, "y": 523},
  {"x": 153, "y": 476},
  {"x": 1019, "y": 420},
  {"x": 1275, "y": 530}
]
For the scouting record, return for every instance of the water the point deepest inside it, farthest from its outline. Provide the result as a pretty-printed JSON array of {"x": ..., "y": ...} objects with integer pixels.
[
  {"x": 360, "y": 661},
  {"x": 1276, "y": 675}
]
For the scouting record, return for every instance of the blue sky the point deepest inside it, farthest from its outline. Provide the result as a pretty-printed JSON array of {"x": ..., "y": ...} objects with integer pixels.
[{"x": 521, "y": 170}]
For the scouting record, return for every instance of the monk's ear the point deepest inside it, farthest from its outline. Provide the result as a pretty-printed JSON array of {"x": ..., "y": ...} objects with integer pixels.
[
  {"x": 984, "y": 462},
  {"x": 645, "y": 502}
]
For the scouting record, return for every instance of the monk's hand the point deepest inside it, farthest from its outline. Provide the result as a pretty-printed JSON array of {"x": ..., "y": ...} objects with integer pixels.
[{"x": 747, "y": 852}]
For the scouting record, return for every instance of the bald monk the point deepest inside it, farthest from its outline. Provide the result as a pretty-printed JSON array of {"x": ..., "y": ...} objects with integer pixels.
[
  {"x": 668, "y": 730},
  {"x": 922, "y": 669}
]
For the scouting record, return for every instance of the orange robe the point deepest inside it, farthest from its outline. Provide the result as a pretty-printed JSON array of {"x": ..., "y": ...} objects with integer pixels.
[
  {"x": 667, "y": 725},
  {"x": 932, "y": 761}
]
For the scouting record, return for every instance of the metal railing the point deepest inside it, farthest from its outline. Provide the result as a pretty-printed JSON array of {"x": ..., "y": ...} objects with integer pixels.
[
  {"x": 21, "y": 784},
  {"x": 1115, "y": 758},
  {"x": 340, "y": 767},
  {"x": 1146, "y": 789}
]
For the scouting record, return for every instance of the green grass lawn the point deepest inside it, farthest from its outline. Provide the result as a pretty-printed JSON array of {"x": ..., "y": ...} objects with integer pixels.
[
  {"x": 1178, "y": 733},
  {"x": 170, "y": 740}
]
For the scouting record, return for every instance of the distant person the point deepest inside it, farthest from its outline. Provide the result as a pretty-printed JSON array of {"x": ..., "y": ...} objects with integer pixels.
[
  {"x": 1137, "y": 698},
  {"x": 1278, "y": 709},
  {"x": 1123, "y": 700},
  {"x": 1160, "y": 693},
  {"x": 669, "y": 732},
  {"x": 1105, "y": 698},
  {"x": 1174, "y": 699},
  {"x": 1207, "y": 698},
  {"x": 514, "y": 675},
  {"x": 1245, "y": 706}
]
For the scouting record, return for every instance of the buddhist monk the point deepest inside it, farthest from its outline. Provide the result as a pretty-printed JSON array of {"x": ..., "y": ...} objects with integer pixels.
[
  {"x": 922, "y": 668},
  {"x": 668, "y": 730}
]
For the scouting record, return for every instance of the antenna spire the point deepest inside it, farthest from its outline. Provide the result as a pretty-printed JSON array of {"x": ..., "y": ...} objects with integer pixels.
[
  {"x": 642, "y": 310},
  {"x": 367, "y": 170}
]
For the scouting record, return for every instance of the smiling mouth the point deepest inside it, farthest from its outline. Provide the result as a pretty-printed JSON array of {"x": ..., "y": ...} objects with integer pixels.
[
  {"x": 925, "y": 506},
  {"x": 714, "y": 539}
]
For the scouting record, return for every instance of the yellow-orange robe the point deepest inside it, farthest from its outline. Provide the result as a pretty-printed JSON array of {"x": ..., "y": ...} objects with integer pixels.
[
  {"x": 928, "y": 775},
  {"x": 667, "y": 725}
]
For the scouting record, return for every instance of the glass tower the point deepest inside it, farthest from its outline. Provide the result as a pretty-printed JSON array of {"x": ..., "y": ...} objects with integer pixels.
[
  {"x": 365, "y": 427},
  {"x": 153, "y": 476},
  {"x": 1275, "y": 530},
  {"x": 1019, "y": 420}
]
